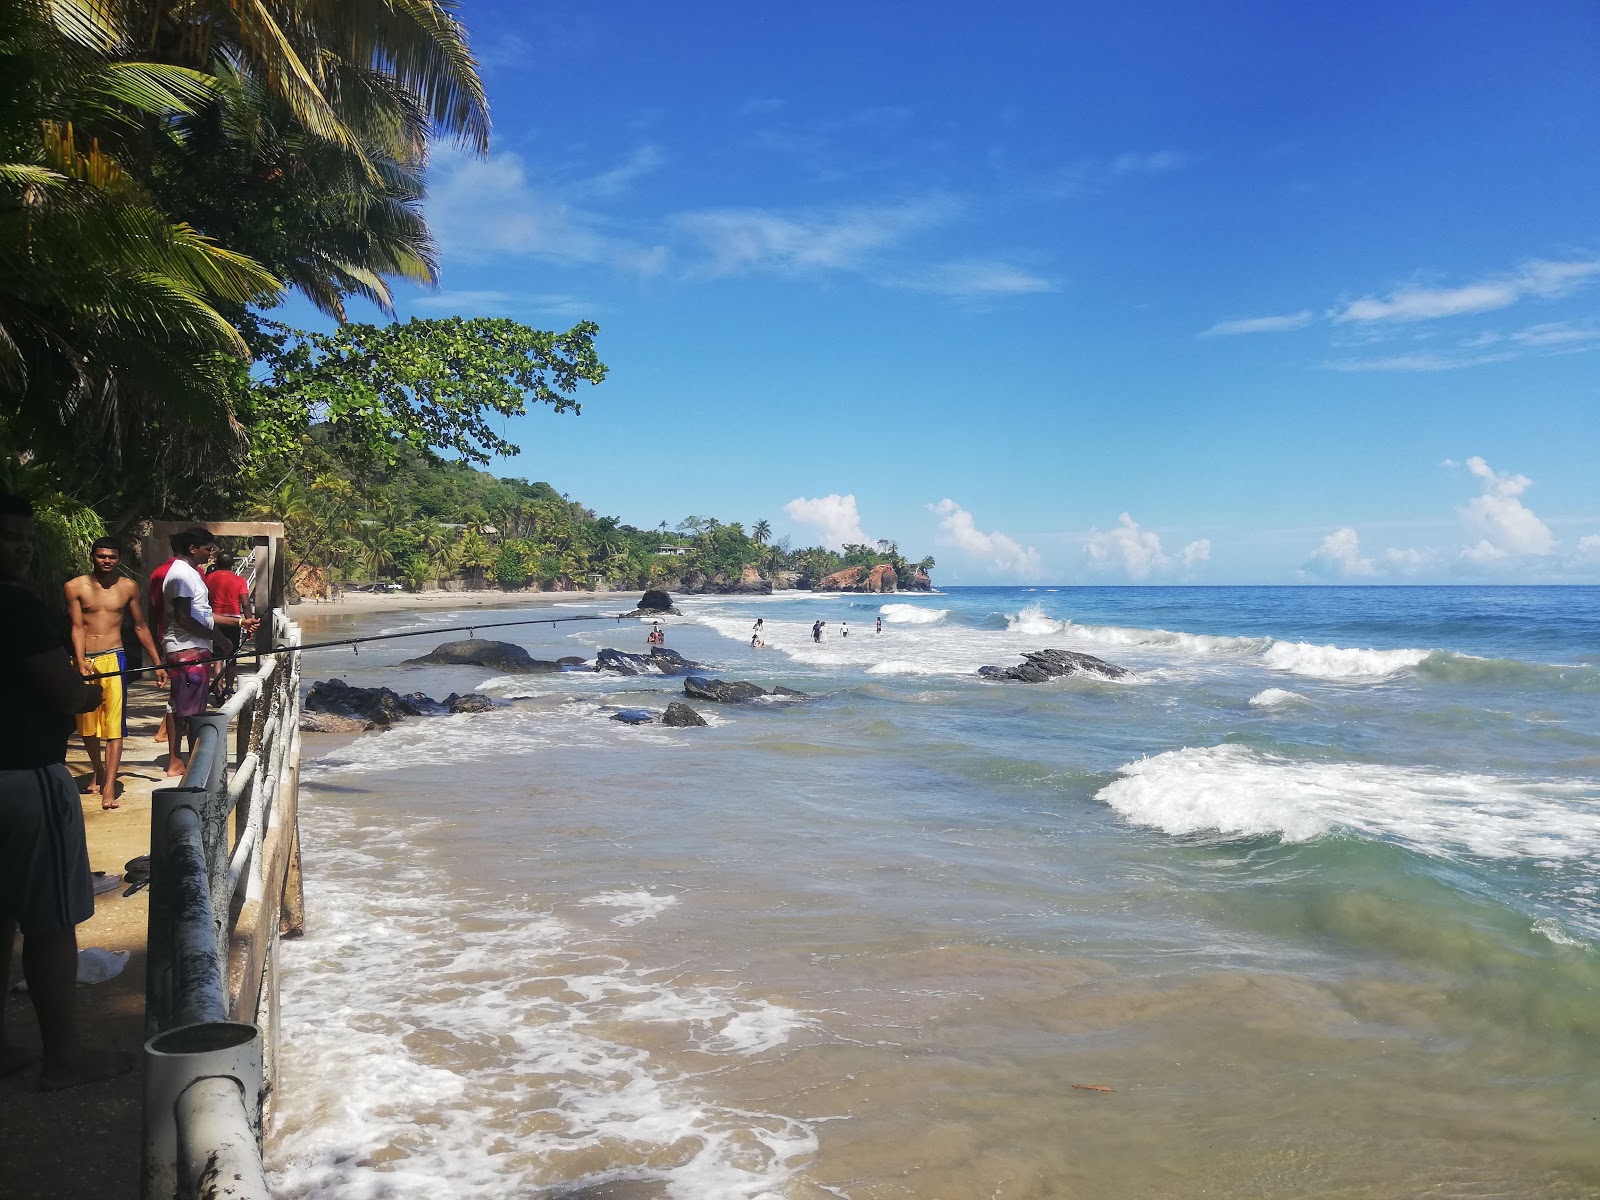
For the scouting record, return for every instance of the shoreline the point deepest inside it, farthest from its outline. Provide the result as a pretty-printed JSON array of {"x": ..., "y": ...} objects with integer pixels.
[{"x": 360, "y": 603}]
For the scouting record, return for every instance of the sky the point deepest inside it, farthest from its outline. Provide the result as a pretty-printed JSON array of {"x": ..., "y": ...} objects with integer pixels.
[{"x": 1156, "y": 292}]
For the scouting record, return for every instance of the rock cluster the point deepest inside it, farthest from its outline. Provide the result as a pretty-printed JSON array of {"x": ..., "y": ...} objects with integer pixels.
[
  {"x": 478, "y": 652},
  {"x": 880, "y": 578},
  {"x": 750, "y": 582},
  {"x": 681, "y": 716},
  {"x": 660, "y": 661},
  {"x": 333, "y": 706},
  {"x": 731, "y": 691},
  {"x": 1041, "y": 665}
]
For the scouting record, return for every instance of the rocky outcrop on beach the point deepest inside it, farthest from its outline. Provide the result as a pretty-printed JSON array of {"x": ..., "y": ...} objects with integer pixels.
[
  {"x": 789, "y": 580},
  {"x": 660, "y": 661},
  {"x": 749, "y": 581},
  {"x": 334, "y": 706},
  {"x": 919, "y": 583},
  {"x": 479, "y": 652},
  {"x": 680, "y": 716},
  {"x": 1041, "y": 665},
  {"x": 731, "y": 691},
  {"x": 880, "y": 578},
  {"x": 654, "y": 603}
]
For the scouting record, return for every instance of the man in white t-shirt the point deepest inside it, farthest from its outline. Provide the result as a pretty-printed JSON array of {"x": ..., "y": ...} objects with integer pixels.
[{"x": 189, "y": 638}]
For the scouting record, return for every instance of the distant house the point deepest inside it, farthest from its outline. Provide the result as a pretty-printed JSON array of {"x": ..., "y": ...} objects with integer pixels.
[{"x": 674, "y": 551}]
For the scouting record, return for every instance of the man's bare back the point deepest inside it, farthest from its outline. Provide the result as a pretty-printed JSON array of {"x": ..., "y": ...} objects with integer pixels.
[{"x": 101, "y": 608}]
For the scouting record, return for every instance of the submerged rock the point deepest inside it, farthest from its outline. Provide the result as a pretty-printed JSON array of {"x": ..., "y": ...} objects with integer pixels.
[
  {"x": 472, "y": 702},
  {"x": 731, "y": 691},
  {"x": 326, "y": 722},
  {"x": 573, "y": 660},
  {"x": 680, "y": 716},
  {"x": 479, "y": 652},
  {"x": 660, "y": 661},
  {"x": 634, "y": 716},
  {"x": 1040, "y": 665}
]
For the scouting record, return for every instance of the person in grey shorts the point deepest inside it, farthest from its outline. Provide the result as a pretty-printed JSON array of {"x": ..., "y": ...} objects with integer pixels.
[{"x": 45, "y": 886}]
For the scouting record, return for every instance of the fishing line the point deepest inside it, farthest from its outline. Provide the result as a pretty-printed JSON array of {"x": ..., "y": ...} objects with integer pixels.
[{"x": 360, "y": 641}]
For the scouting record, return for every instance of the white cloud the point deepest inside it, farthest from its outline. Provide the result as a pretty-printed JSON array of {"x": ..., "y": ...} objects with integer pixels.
[
  {"x": 1558, "y": 334},
  {"x": 475, "y": 303},
  {"x": 979, "y": 279},
  {"x": 1541, "y": 279},
  {"x": 1340, "y": 554},
  {"x": 1507, "y": 528},
  {"x": 1197, "y": 552},
  {"x": 1589, "y": 548},
  {"x": 1129, "y": 548},
  {"x": 619, "y": 178},
  {"x": 738, "y": 240},
  {"x": 833, "y": 515},
  {"x": 996, "y": 550},
  {"x": 1279, "y": 324},
  {"x": 1421, "y": 361},
  {"x": 1407, "y": 561},
  {"x": 1157, "y": 162},
  {"x": 488, "y": 208}
]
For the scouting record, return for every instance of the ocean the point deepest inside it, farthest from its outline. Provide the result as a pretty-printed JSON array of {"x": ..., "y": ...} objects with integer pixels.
[{"x": 1305, "y": 906}]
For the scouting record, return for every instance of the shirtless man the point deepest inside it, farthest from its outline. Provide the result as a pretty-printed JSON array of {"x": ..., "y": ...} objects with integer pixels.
[{"x": 97, "y": 602}]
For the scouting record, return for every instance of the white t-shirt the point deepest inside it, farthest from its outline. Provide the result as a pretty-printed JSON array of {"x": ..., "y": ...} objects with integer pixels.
[{"x": 183, "y": 582}]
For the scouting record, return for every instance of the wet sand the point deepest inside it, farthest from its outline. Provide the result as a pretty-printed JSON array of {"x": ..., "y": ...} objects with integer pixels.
[{"x": 357, "y": 603}]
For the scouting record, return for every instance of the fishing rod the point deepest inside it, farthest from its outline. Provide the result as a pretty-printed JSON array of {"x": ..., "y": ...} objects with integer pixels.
[{"x": 360, "y": 641}]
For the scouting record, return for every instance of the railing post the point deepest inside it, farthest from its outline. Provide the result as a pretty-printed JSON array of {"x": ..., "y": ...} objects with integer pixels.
[
  {"x": 175, "y": 1061},
  {"x": 208, "y": 769}
]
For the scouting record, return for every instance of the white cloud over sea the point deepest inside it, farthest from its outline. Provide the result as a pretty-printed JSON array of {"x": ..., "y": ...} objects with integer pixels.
[
  {"x": 996, "y": 551},
  {"x": 1134, "y": 551}
]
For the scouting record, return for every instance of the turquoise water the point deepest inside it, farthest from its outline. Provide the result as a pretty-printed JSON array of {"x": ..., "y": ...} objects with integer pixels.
[{"x": 1313, "y": 890}]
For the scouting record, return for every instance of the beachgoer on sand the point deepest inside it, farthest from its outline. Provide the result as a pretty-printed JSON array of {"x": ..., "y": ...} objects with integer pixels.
[
  {"x": 96, "y": 604},
  {"x": 46, "y": 890},
  {"x": 190, "y": 639}
]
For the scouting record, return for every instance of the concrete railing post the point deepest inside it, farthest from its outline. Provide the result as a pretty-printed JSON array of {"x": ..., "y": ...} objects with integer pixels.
[{"x": 175, "y": 1062}]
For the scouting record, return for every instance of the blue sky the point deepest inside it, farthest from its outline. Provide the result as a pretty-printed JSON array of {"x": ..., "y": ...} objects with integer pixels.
[{"x": 1162, "y": 292}]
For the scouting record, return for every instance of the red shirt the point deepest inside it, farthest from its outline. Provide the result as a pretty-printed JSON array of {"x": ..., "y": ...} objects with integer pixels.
[
  {"x": 155, "y": 607},
  {"x": 227, "y": 592}
]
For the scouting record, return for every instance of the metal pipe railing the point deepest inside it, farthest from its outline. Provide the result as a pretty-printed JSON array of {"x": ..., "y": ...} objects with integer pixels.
[{"x": 205, "y": 1086}]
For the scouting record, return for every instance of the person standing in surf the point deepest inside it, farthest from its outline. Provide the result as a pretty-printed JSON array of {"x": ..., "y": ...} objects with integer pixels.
[
  {"x": 816, "y": 630},
  {"x": 880, "y": 625}
]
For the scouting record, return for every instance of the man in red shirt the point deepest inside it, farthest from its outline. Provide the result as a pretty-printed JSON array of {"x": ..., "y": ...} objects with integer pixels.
[{"x": 230, "y": 609}]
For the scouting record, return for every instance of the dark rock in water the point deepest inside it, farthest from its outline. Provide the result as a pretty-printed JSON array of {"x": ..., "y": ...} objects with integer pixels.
[
  {"x": 424, "y": 705},
  {"x": 472, "y": 702},
  {"x": 327, "y": 722},
  {"x": 572, "y": 660},
  {"x": 634, "y": 716},
  {"x": 660, "y": 661},
  {"x": 479, "y": 652},
  {"x": 654, "y": 603},
  {"x": 725, "y": 691},
  {"x": 681, "y": 716},
  {"x": 1040, "y": 665},
  {"x": 380, "y": 706}
]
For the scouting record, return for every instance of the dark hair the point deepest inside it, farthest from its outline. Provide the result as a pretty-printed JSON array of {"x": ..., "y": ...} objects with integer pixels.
[
  {"x": 185, "y": 542},
  {"x": 14, "y": 506},
  {"x": 105, "y": 543},
  {"x": 225, "y": 560},
  {"x": 174, "y": 538}
]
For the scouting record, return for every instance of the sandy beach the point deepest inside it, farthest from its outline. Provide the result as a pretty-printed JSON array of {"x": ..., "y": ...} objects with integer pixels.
[{"x": 355, "y": 603}]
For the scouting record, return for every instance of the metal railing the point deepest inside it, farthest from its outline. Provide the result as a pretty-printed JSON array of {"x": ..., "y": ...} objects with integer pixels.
[{"x": 221, "y": 894}]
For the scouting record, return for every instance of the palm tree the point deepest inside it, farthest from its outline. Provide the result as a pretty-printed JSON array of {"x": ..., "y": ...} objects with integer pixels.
[{"x": 761, "y": 532}]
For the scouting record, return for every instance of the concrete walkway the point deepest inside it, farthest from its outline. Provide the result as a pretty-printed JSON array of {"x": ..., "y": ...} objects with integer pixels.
[{"x": 85, "y": 1141}]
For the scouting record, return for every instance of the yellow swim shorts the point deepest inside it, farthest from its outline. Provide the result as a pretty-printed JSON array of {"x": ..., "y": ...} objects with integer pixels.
[{"x": 110, "y": 720}]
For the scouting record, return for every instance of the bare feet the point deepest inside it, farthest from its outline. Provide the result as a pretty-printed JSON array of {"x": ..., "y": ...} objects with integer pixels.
[
  {"x": 16, "y": 1058},
  {"x": 87, "y": 1066},
  {"x": 107, "y": 804}
]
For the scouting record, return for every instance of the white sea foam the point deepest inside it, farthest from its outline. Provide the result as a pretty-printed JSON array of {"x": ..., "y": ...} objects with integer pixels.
[
  {"x": 635, "y": 906},
  {"x": 458, "y": 1046},
  {"x": 1235, "y": 790},
  {"x": 1276, "y": 698},
  {"x": 912, "y": 614}
]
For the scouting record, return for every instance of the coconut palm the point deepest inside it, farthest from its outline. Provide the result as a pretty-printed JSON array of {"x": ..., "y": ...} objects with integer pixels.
[{"x": 762, "y": 532}]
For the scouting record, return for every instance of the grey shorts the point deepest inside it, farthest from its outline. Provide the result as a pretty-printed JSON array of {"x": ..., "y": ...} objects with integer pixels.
[{"x": 44, "y": 860}]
